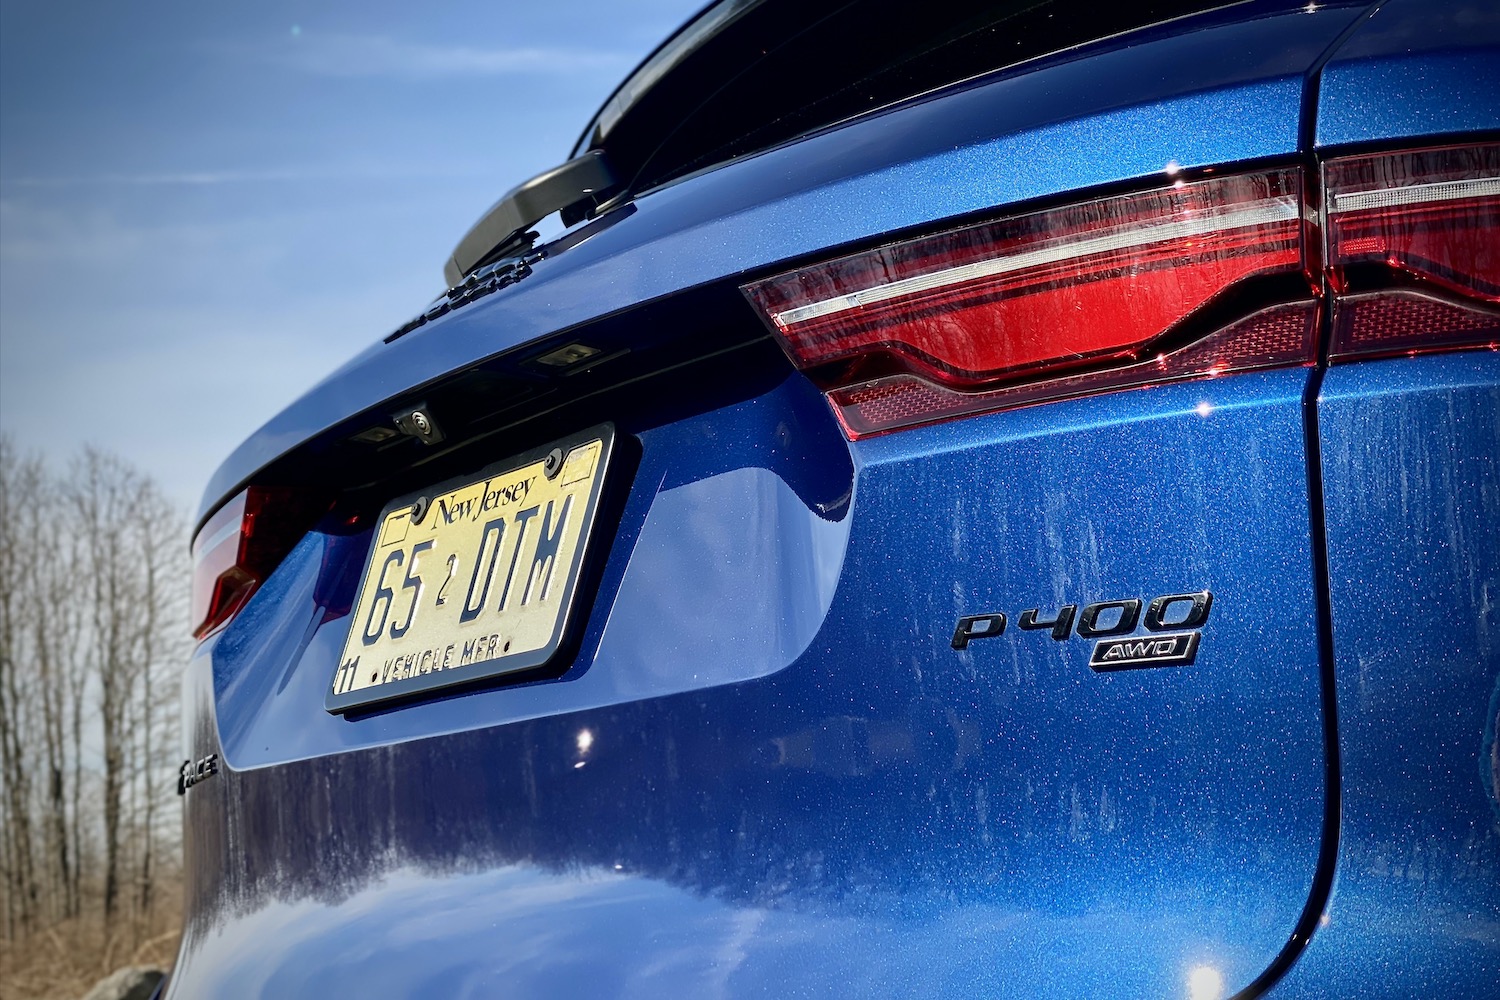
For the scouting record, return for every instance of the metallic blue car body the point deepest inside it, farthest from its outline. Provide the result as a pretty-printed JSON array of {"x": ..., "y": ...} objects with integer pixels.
[
  {"x": 793, "y": 785},
  {"x": 1414, "y": 561},
  {"x": 1224, "y": 94}
]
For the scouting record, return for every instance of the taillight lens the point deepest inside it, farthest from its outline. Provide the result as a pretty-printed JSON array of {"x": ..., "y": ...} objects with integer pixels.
[
  {"x": 1100, "y": 295},
  {"x": 1280, "y": 335},
  {"x": 1414, "y": 250},
  {"x": 241, "y": 544}
]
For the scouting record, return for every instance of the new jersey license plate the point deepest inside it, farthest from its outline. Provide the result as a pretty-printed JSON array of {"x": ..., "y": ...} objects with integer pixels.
[{"x": 474, "y": 578}]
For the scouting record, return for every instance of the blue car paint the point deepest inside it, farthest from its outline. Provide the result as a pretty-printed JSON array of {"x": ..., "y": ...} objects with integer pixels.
[
  {"x": 839, "y": 803},
  {"x": 1003, "y": 814},
  {"x": 1414, "y": 69},
  {"x": 736, "y": 528},
  {"x": 1218, "y": 95},
  {"x": 1411, "y": 478}
]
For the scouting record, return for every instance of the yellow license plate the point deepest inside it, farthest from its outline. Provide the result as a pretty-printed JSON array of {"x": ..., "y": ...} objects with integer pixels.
[{"x": 474, "y": 578}]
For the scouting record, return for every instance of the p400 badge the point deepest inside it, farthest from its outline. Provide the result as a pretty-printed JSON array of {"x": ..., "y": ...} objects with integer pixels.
[{"x": 1111, "y": 624}]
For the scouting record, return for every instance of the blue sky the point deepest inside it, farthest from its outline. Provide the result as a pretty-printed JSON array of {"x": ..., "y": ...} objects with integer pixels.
[{"x": 204, "y": 207}]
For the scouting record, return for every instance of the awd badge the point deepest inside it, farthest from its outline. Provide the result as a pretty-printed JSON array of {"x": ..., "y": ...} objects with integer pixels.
[
  {"x": 1151, "y": 651},
  {"x": 1110, "y": 624}
]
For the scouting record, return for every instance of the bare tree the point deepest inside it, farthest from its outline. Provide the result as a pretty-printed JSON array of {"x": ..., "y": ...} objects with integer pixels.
[
  {"x": 156, "y": 538},
  {"x": 54, "y": 615},
  {"x": 93, "y": 634},
  {"x": 18, "y": 487},
  {"x": 106, "y": 497}
]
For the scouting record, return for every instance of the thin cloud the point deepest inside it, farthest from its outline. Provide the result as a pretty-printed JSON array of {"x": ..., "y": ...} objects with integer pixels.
[
  {"x": 170, "y": 178},
  {"x": 377, "y": 55},
  {"x": 209, "y": 177}
]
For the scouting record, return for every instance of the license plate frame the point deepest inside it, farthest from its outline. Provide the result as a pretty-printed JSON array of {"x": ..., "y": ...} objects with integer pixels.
[{"x": 402, "y": 669}]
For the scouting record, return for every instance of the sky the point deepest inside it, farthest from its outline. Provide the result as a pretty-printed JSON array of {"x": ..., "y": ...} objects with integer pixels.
[{"x": 206, "y": 207}]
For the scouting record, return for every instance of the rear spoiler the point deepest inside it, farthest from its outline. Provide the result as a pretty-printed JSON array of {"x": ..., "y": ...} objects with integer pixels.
[{"x": 503, "y": 228}]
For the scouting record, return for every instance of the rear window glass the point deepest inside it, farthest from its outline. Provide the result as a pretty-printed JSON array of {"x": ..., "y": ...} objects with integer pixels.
[{"x": 781, "y": 68}]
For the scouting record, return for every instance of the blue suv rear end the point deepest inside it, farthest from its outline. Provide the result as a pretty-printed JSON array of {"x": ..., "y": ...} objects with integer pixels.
[{"x": 997, "y": 504}]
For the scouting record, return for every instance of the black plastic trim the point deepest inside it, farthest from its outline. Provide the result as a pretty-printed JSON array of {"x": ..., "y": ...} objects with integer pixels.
[{"x": 526, "y": 204}]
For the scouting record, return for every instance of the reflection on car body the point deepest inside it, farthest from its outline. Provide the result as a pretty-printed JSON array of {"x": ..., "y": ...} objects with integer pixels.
[{"x": 1043, "y": 541}]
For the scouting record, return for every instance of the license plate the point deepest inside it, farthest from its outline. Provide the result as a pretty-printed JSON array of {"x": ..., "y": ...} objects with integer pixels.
[{"x": 474, "y": 578}]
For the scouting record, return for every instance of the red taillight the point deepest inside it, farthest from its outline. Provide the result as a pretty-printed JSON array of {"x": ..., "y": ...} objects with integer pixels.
[
  {"x": 1058, "y": 303},
  {"x": 1277, "y": 336},
  {"x": 239, "y": 546},
  {"x": 1414, "y": 250}
]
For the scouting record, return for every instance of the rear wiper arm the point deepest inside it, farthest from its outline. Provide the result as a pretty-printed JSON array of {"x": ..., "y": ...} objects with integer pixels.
[{"x": 504, "y": 227}]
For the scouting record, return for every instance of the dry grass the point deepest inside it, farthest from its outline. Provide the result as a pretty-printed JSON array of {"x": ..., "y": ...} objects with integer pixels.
[{"x": 63, "y": 961}]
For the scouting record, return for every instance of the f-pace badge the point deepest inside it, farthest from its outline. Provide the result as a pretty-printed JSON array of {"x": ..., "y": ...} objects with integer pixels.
[
  {"x": 190, "y": 773},
  {"x": 1111, "y": 624}
]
